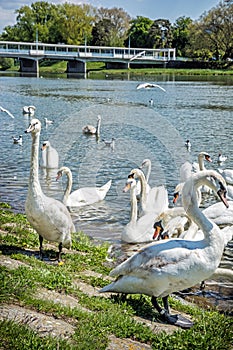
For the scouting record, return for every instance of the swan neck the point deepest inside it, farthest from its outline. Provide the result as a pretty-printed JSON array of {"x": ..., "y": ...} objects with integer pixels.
[
  {"x": 143, "y": 182},
  {"x": 34, "y": 183},
  {"x": 148, "y": 172},
  {"x": 134, "y": 206},
  {"x": 98, "y": 127},
  {"x": 68, "y": 186},
  {"x": 201, "y": 162}
]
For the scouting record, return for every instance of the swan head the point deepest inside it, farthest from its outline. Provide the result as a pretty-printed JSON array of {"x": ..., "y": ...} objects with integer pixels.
[
  {"x": 98, "y": 118},
  {"x": 137, "y": 173},
  {"x": 205, "y": 156},
  {"x": 145, "y": 162},
  {"x": 61, "y": 171},
  {"x": 45, "y": 145},
  {"x": 130, "y": 183},
  {"x": 34, "y": 127}
]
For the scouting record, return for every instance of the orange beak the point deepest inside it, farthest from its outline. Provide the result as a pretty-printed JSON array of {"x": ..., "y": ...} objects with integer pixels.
[{"x": 175, "y": 197}]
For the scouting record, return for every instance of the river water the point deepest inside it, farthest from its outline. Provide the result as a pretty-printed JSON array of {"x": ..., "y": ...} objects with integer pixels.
[{"x": 198, "y": 108}]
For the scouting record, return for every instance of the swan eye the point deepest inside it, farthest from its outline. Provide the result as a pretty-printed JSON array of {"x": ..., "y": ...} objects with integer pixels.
[{"x": 131, "y": 176}]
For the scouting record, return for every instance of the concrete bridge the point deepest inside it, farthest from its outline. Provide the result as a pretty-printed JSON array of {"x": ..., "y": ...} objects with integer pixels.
[{"x": 29, "y": 55}]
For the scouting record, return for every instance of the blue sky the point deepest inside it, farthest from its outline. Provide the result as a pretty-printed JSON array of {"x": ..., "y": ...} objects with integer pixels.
[{"x": 153, "y": 9}]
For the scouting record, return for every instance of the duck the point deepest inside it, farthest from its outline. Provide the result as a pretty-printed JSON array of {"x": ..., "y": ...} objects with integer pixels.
[
  {"x": 48, "y": 216},
  {"x": 83, "y": 196},
  {"x": 188, "y": 145},
  {"x": 18, "y": 140},
  {"x": 49, "y": 156},
  {"x": 7, "y": 112},
  {"x": 221, "y": 158},
  {"x": 92, "y": 130},
  {"x": 30, "y": 110},
  {"x": 48, "y": 122},
  {"x": 167, "y": 266}
]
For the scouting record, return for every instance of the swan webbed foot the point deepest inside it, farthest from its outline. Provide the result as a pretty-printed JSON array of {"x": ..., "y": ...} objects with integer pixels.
[{"x": 177, "y": 320}]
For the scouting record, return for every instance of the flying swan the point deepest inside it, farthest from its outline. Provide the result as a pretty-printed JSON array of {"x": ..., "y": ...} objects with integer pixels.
[
  {"x": 149, "y": 86},
  {"x": 171, "y": 265},
  {"x": 82, "y": 196},
  {"x": 48, "y": 216}
]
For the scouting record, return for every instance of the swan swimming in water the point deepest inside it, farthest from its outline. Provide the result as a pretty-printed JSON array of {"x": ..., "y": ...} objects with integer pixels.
[
  {"x": 82, "y": 196},
  {"x": 30, "y": 110},
  {"x": 49, "y": 156},
  {"x": 18, "y": 140},
  {"x": 48, "y": 216},
  {"x": 91, "y": 130},
  {"x": 171, "y": 265}
]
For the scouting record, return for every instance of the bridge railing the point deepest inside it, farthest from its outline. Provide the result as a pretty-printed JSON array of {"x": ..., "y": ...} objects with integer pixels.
[{"x": 42, "y": 49}]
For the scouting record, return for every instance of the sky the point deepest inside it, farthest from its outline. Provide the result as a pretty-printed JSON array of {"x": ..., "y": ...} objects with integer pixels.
[{"x": 153, "y": 9}]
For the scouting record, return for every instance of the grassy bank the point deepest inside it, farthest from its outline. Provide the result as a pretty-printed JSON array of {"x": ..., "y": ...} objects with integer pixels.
[
  {"x": 96, "y": 69},
  {"x": 68, "y": 295}
]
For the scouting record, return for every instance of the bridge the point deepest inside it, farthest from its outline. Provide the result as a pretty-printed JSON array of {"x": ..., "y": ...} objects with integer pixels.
[{"x": 29, "y": 54}]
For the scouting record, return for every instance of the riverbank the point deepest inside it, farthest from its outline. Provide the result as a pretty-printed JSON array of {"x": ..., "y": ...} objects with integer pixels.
[
  {"x": 96, "y": 69},
  {"x": 45, "y": 305}
]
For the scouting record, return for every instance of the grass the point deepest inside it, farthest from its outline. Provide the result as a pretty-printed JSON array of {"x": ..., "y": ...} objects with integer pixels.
[
  {"x": 97, "y": 70},
  {"x": 99, "y": 317}
]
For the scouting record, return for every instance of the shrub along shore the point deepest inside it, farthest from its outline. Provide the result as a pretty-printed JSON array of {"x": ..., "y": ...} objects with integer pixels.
[{"x": 44, "y": 305}]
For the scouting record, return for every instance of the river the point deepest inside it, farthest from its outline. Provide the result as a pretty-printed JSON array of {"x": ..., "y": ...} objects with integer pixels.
[{"x": 195, "y": 108}]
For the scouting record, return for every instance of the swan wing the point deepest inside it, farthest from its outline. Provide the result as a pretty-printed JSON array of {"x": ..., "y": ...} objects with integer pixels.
[{"x": 88, "y": 195}]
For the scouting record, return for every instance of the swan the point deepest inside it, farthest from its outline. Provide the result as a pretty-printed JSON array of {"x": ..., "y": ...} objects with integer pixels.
[
  {"x": 219, "y": 215},
  {"x": 200, "y": 165},
  {"x": 91, "y": 130},
  {"x": 82, "y": 196},
  {"x": 30, "y": 110},
  {"x": 227, "y": 174},
  {"x": 18, "y": 140},
  {"x": 48, "y": 216},
  {"x": 49, "y": 156},
  {"x": 171, "y": 265},
  {"x": 146, "y": 163},
  {"x": 149, "y": 86},
  {"x": 137, "y": 230},
  {"x": 153, "y": 200},
  {"x": 7, "y": 112}
]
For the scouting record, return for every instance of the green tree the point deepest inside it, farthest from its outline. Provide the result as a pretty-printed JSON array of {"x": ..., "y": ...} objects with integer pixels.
[
  {"x": 180, "y": 34},
  {"x": 115, "y": 22},
  {"x": 160, "y": 34},
  {"x": 138, "y": 32}
]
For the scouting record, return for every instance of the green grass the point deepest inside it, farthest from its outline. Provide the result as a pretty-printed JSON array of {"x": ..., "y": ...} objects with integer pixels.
[{"x": 106, "y": 316}]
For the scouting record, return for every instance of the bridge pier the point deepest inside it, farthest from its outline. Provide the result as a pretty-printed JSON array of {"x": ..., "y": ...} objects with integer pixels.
[
  {"x": 75, "y": 66},
  {"x": 29, "y": 66},
  {"x": 117, "y": 65}
]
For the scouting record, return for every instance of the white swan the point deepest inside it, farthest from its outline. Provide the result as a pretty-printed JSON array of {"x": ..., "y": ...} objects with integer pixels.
[
  {"x": 30, "y": 110},
  {"x": 137, "y": 230},
  {"x": 219, "y": 215},
  {"x": 49, "y": 156},
  {"x": 7, "y": 112},
  {"x": 48, "y": 216},
  {"x": 227, "y": 174},
  {"x": 221, "y": 158},
  {"x": 18, "y": 140},
  {"x": 146, "y": 163},
  {"x": 149, "y": 86},
  {"x": 153, "y": 200},
  {"x": 200, "y": 165},
  {"x": 82, "y": 196},
  {"x": 91, "y": 130},
  {"x": 171, "y": 265}
]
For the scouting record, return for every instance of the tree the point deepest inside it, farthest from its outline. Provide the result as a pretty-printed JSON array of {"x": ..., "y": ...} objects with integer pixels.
[
  {"x": 180, "y": 33},
  {"x": 160, "y": 34},
  {"x": 116, "y": 23},
  {"x": 138, "y": 32}
]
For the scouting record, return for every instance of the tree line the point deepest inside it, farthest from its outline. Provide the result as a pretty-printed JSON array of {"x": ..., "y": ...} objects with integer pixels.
[{"x": 209, "y": 37}]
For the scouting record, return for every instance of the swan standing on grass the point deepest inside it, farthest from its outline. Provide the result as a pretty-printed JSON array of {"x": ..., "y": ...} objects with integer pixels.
[
  {"x": 30, "y": 110},
  {"x": 91, "y": 130},
  {"x": 171, "y": 265},
  {"x": 7, "y": 112},
  {"x": 82, "y": 196},
  {"x": 49, "y": 156},
  {"x": 48, "y": 216}
]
